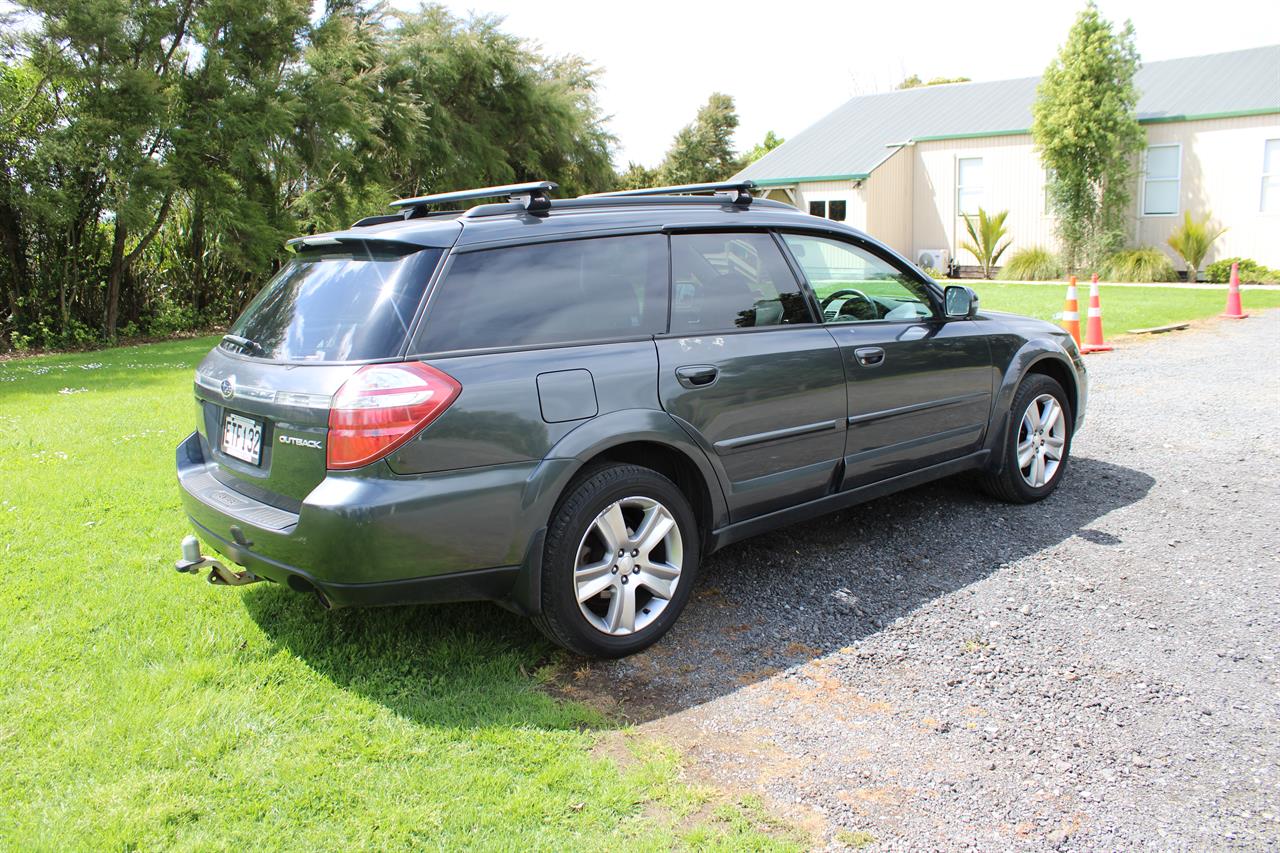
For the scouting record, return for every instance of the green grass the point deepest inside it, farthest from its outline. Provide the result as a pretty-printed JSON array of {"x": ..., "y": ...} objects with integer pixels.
[
  {"x": 143, "y": 709},
  {"x": 1123, "y": 308}
]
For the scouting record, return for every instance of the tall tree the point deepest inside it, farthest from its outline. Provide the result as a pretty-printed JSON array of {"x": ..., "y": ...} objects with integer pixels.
[
  {"x": 703, "y": 150},
  {"x": 637, "y": 177},
  {"x": 154, "y": 155},
  {"x": 1086, "y": 129},
  {"x": 771, "y": 141},
  {"x": 123, "y": 60}
]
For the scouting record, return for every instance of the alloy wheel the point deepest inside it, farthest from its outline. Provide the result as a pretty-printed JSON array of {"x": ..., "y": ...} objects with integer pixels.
[
  {"x": 628, "y": 565},
  {"x": 1042, "y": 440}
]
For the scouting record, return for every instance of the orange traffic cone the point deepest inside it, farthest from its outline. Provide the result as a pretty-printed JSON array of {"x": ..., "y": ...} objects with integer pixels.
[
  {"x": 1071, "y": 311},
  {"x": 1093, "y": 332},
  {"x": 1235, "y": 311}
]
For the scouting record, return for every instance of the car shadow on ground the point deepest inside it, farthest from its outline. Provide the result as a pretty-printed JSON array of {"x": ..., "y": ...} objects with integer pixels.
[{"x": 760, "y": 606}]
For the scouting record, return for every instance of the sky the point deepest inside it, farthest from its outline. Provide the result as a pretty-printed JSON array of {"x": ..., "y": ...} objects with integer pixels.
[{"x": 787, "y": 63}]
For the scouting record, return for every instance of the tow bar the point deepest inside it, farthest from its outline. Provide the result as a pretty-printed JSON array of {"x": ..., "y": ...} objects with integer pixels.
[{"x": 193, "y": 562}]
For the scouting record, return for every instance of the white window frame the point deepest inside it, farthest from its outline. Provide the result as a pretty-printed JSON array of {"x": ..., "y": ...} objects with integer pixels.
[
  {"x": 1176, "y": 180},
  {"x": 1274, "y": 174},
  {"x": 960, "y": 188},
  {"x": 1046, "y": 202}
]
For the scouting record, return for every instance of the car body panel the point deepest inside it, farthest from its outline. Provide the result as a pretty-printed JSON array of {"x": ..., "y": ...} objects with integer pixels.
[
  {"x": 773, "y": 416},
  {"x": 498, "y": 417},
  {"x": 927, "y": 400}
]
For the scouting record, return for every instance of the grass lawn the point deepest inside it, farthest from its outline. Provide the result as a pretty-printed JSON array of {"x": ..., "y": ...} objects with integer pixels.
[
  {"x": 140, "y": 708},
  {"x": 1123, "y": 308}
]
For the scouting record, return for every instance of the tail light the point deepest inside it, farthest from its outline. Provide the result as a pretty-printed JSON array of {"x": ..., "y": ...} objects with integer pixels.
[{"x": 381, "y": 407}]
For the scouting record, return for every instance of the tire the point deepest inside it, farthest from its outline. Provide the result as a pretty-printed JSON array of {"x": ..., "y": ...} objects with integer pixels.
[
  {"x": 580, "y": 557},
  {"x": 1017, "y": 483}
]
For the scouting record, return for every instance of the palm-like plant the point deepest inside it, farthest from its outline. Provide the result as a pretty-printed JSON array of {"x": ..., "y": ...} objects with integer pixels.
[
  {"x": 1192, "y": 241},
  {"x": 985, "y": 234}
]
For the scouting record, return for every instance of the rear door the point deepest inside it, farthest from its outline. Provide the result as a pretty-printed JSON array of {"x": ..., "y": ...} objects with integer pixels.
[
  {"x": 920, "y": 388},
  {"x": 748, "y": 372},
  {"x": 263, "y": 395}
]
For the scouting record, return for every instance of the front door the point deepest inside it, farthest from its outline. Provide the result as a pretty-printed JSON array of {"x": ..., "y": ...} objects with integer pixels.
[
  {"x": 920, "y": 388},
  {"x": 750, "y": 374}
]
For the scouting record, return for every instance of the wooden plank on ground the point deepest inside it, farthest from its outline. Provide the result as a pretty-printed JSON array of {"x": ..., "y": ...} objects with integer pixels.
[{"x": 1156, "y": 330}]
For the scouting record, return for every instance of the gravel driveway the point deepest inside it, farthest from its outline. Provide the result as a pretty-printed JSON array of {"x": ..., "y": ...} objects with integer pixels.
[{"x": 936, "y": 670}]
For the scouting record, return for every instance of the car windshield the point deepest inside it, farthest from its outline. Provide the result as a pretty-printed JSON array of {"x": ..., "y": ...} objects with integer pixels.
[{"x": 342, "y": 304}]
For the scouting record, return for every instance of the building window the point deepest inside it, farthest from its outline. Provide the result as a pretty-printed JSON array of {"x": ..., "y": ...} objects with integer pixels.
[
  {"x": 835, "y": 209},
  {"x": 968, "y": 185},
  {"x": 1048, "y": 191},
  {"x": 1271, "y": 176},
  {"x": 1163, "y": 180}
]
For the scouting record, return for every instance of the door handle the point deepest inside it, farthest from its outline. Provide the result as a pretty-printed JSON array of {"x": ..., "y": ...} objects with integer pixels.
[
  {"x": 869, "y": 356},
  {"x": 697, "y": 375}
]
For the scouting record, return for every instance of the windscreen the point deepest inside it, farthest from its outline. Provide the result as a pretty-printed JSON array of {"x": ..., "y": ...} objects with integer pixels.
[{"x": 347, "y": 303}]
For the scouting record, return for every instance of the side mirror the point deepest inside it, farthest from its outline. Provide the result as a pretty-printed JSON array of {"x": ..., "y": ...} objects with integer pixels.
[{"x": 960, "y": 302}]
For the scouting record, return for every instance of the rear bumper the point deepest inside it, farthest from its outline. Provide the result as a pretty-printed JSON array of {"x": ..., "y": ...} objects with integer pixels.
[{"x": 371, "y": 537}]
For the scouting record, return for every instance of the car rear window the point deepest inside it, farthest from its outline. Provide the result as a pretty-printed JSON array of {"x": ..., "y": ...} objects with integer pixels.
[
  {"x": 544, "y": 293},
  {"x": 346, "y": 304}
]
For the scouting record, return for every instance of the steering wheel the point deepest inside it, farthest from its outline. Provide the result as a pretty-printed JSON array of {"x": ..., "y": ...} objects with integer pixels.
[{"x": 871, "y": 313}]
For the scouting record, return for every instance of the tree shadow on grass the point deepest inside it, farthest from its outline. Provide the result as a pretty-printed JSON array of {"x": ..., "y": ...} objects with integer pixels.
[{"x": 762, "y": 605}]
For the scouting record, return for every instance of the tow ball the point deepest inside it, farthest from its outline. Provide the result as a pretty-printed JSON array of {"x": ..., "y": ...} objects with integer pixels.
[{"x": 193, "y": 562}]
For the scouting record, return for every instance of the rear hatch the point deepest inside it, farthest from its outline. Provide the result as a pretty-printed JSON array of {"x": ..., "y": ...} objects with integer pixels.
[{"x": 264, "y": 393}]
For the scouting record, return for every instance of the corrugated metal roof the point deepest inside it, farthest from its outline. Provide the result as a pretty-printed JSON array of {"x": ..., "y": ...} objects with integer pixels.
[{"x": 857, "y": 137}]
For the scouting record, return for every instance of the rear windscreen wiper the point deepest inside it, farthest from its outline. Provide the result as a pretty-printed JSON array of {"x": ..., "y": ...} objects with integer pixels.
[{"x": 244, "y": 343}]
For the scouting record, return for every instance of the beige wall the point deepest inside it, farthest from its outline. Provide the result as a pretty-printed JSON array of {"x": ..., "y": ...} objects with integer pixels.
[
  {"x": 1221, "y": 173},
  {"x": 852, "y": 192},
  {"x": 888, "y": 201},
  {"x": 1012, "y": 180},
  {"x": 909, "y": 201}
]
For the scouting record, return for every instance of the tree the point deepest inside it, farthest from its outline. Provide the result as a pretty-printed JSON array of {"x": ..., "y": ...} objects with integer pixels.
[
  {"x": 1192, "y": 241},
  {"x": 914, "y": 81},
  {"x": 637, "y": 177},
  {"x": 703, "y": 151},
  {"x": 1086, "y": 130},
  {"x": 985, "y": 233},
  {"x": 771, "y": 141},
  {"x": 155, "y": 155}
]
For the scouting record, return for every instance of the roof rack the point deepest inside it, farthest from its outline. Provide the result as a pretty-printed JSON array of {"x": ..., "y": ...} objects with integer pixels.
[
  {"x": 741, "y": 190},
  {"x": 532, "y": 196}
]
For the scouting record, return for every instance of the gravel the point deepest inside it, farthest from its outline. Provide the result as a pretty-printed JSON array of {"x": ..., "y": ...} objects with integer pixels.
[{"x": 937, "y": 670}]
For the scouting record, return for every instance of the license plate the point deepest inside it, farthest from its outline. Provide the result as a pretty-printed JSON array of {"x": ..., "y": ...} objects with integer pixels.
[{"x": 242, "y": 438}]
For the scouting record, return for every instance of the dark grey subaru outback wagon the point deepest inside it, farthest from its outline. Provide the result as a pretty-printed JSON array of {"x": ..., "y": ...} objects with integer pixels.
[{"x": 564, "y": 405}]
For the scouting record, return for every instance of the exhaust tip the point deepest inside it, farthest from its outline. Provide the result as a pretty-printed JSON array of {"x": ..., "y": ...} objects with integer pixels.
[{"x": 297, "y": 583}]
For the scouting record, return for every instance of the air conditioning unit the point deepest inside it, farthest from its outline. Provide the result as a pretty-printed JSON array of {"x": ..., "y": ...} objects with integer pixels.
[{"x": 938, "y": 259}]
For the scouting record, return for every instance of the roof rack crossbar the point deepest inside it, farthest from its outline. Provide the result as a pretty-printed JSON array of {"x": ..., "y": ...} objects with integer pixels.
[
  {"x": 740, "y": 190},
  {"x": 533, "y": 195}
]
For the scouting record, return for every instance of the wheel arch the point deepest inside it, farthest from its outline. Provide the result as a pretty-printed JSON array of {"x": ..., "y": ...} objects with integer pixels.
[
  {"x": 1041, "y": 356},
  {"x": 646, "y": 437},
  {"x": 1059, "y": 371}
]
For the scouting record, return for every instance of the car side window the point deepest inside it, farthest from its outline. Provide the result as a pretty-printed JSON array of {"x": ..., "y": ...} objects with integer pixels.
[
  {"x": 544, "y": 293},
  {"x": 732, "y": 281},
  {"x": 856, "y": 286}
]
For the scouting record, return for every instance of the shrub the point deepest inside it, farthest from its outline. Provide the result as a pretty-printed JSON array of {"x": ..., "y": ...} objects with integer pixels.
[
  {"x": 173, "y": 318},
  {"x": 1146, "y": 264},
  {"x": 1251, "y": 272},
  {"x": 985, "y": 233},
  {"x": 935, "y": 274},
  {"x": 1192, "y": 240},
  {"x": 1034, "y": 263}
]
